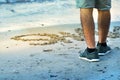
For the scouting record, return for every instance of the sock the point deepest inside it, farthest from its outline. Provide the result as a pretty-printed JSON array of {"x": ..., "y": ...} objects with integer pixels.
[
  {"x": 102, "y": 44},
  {"x": 91, "y": 49}
]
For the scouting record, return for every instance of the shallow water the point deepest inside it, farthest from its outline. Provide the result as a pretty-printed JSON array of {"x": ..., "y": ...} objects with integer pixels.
[{"x": 47, "y": 13}]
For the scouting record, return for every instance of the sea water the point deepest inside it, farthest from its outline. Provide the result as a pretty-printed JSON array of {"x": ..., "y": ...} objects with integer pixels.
[{"x": 46, "y": 12}]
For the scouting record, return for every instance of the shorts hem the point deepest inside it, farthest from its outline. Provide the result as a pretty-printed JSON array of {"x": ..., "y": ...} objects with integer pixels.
[
  {"x": 85, "y": 7},
  {"x": 103, "y": 8},
  {"x": 94, "y": 7}
]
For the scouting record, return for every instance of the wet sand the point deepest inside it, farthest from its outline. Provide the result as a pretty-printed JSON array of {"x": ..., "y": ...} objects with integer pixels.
[{"x": 19, "y": 60}]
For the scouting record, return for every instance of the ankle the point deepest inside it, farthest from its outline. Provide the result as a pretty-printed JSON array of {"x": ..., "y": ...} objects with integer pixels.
[
  {"x": 91, "y": 49},
  {"x": 102, "y": 44}
]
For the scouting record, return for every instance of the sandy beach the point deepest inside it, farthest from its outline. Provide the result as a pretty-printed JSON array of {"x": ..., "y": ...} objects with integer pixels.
[
  {"x": 42, "y": 41},
  {"x": 19, "y": 60}
]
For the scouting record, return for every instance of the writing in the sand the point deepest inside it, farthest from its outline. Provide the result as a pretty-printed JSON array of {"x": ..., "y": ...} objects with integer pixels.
[{"x": 47, "y": 38}]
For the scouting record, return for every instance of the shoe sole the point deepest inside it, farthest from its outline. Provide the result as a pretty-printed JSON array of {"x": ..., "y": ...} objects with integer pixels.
[
  {"x": 102, "y": 54},
  {"x": 91, "y": 60}
]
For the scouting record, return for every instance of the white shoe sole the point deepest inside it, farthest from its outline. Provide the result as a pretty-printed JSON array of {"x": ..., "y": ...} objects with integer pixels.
[
  {"x": 91, "y": 60},
  {"x": 102, "y": 54}
]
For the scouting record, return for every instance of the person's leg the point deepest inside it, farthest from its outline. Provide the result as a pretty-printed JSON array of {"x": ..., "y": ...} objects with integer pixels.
[
  {"x": 86, "y": 11},
  {"x": 103, "y": 24},
  {"x": 103, "y": 7},
  {"x": 103, "y": 28},
  {"x": 88, "y": 26},
  {"x": 104, "y": 15}
]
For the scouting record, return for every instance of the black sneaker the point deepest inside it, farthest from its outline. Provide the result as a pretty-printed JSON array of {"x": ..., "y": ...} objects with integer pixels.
[
  {"x": 93, "y": 56},
  {"x": 103, "y": 50}
]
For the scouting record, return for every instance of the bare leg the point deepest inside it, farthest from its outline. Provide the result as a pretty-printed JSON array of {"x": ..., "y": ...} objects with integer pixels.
[
  {"x": 103, "y": 25},
  {"x": 88, "y": 26}
]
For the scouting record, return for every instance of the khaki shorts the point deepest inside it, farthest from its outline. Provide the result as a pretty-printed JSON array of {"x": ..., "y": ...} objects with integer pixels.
[{"x": 99, "y": 4}]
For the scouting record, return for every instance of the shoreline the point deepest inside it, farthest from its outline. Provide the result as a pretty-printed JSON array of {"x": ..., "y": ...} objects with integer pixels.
[{"x": 7, "y": 29}]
